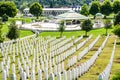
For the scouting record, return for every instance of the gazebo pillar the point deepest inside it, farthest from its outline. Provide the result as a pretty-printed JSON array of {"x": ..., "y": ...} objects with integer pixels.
[{"x": 64, "y": 22}]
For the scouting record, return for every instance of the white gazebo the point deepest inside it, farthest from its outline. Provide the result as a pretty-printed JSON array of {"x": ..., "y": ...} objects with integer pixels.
[
  {"x": 98, "y": 21},
  {"x": 71, "y": 16}
]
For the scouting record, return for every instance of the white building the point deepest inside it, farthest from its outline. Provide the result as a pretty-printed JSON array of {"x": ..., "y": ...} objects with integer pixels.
[{"x": 49, "y": 11}]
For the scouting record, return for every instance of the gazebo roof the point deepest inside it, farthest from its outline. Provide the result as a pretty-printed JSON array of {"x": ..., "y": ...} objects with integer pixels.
[
  {"x": 71, "y": 15},
  {"x": 98, "y": 14}
]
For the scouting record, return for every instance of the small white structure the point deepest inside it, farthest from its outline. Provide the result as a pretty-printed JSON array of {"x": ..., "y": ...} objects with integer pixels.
[{"x": 98, "y": 21}]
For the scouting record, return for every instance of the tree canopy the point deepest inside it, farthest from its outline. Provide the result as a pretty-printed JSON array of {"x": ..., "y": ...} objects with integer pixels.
[
  {"x": 94, "y": 8},
  {"x": 108, "y": 25},
  {"x": 61, "y": 28},
  {"x": 36, "y": 9},
  {"x": 117, "y": 18},
  {"x": 8, "y": 8},
  {"x": 85, "y": 10},
  {"x": 86, "y": 26},
  {"x": 116, "y": 6},
  {"x": 106, "y": 8}
]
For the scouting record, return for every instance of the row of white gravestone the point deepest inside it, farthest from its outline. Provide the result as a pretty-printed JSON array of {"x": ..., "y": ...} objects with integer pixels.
[
  {"x": 4, "y": 75},
  {"x": 61, "y": 49},
  {"x": 78, "y": 39},
  {"x": 11, "y": 41},
  {"x": 51, "y": 39},
  {"x": 105, "y": 74},
  {"x": 85, "y": 51},
  {"x": 72, "y": 61},
  {"x": 57, "y": 41},
  {"x": 82, "y": 43},
  {"x": 5, "y": 72},
  {"x": 93, "y": 43},
  {"x": 64, "y": 55},
  {"x": 24, "y": 63},
  {"x": 84, "y": 67},
  {"x": 62, "y": 43}
]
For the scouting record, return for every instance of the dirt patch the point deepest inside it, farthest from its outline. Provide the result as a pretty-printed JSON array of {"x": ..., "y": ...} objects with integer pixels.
[
  {"x": 77, "y": 64},
  {"x": 94, "y": 49},
  {"x": 117, "y": 60}
]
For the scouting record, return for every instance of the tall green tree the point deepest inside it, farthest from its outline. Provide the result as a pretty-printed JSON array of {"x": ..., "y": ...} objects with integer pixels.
[
  {"x": 108, "y": 25},
  {"x": 106, "y": 8},
  {"x": 1, "y": 36},
  {"x": 13, "y": 32},
  {"x": 85, "y": 10},
  {"x": 117, "y": 18},
  {"x": 23, "y": 6},
  {"x": 94, "y": 8},
  {"x": 86, "y": 26},
  {"x": 8, "y": 8},
  {"x": 36, "y": 9},
  {"x": 61, "y": 28},
  {"x": 116, "y": 6}
]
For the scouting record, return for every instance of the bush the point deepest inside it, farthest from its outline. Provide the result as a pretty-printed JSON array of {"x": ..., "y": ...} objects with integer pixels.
[
  {"x": 1, "y": 37},
  {"x": 4, "y": 18},
  {"x": 117, "y": 19},
  {"x": 116, "y": 30},
  {"x": 13, "y": 32},
  {"x": 117, "y": 76}
]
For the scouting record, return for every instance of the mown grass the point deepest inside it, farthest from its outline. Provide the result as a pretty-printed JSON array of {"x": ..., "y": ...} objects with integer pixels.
[
  {"x": 95, "y": 33},
  {"x": 23, "y": 33},
  {"x": 100, "y": 63}
]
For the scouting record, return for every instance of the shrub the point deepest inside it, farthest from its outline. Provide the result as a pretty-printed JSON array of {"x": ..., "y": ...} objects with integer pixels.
[
  {"x": 116, "y": 30},
  {"x": 117, "y": 76},
  {"x": 117, "y": 19}
]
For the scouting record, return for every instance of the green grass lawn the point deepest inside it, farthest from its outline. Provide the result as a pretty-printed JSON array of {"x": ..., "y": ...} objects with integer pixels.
[
  {"x": 94, "y": 32},
  {"x": 23, "y": 33}
]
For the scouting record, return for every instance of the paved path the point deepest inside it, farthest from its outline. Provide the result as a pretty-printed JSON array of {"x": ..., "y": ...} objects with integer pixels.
[{"x": 40, "y": 26}]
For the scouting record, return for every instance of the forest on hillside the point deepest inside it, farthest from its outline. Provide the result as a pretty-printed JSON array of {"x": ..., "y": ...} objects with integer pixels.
[{"x": 50, "y": 3}]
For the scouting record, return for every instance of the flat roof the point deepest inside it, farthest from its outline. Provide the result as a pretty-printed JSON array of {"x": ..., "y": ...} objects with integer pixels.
[{"x": 53, "y": 9}]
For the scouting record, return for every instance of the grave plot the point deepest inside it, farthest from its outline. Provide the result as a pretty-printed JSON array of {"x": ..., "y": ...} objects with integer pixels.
[
  {"x": 101, "y": 62},
  {"x": 116, "y": 64},
  {"x": 44, "y": 58}
]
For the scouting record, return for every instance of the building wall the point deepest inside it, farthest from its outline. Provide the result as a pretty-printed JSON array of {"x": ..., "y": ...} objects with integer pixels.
[{"x": 50, "y": 11}]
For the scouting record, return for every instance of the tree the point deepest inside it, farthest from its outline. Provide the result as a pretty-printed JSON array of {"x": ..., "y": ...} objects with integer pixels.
[
  {"x": 4, "y": 18},
  {"x": 36, "y": 9},
  {"x": 116, "y": 6},
  {"x": 94, "y": 8},
  {"x": 116, "y": 30},
  {"x": 117, "y": 18},
  {"x": 85, "y": 10},
  {"x": 13, "y": 32},
  {"x": 86, "y": 26},
  {"x": 108, "y": 25},
  {"x": 106, "y": 8},
  {"x": 23, "y": 6},
  {"x": 61, "y": 28},
  {"x": 8, "y": 8},
  {"x": 1, "y": 36}
]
